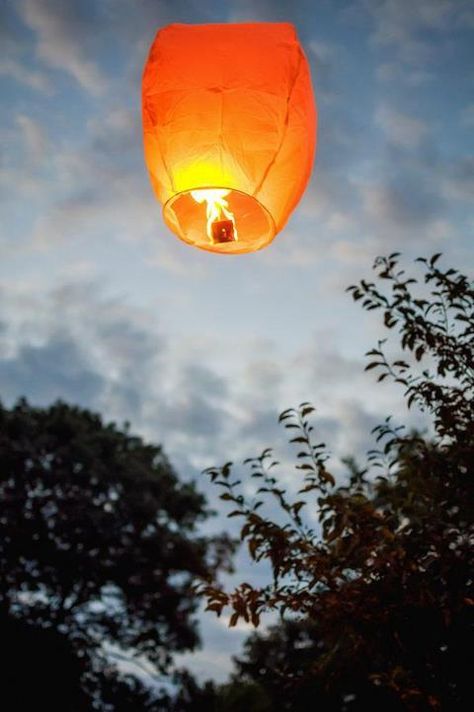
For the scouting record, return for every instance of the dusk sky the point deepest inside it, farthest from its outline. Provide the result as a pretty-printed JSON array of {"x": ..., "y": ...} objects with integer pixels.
[{"x": 102, "y": 306}]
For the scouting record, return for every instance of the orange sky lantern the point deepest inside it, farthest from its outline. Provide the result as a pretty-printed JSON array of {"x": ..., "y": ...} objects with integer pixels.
[{"x": 229, "y": 124}]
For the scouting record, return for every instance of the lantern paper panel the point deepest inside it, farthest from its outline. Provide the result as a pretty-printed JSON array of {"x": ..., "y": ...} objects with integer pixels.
[{"x": 229, "y": 124}]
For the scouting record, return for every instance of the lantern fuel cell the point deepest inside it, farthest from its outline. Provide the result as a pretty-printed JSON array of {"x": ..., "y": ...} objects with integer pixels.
[
  {"x": 229, "y": 124},
  {"x": 223, "y": 231}
]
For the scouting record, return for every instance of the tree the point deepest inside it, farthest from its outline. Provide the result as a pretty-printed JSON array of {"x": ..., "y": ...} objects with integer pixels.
[
  {"x": 237, "y": 695},
  {"x": 98, "y": 544},
  {"x": 380, "y": 587},
  {"x": 39, "y": 664}
]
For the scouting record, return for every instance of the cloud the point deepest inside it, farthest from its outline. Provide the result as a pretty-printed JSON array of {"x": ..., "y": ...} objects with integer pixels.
[
  {"x": 30, "y": 77},
  {"x": 196, "y": 406},
  {"x": 53, "y": 332},
  {"x": 62, "y": 35},
  {"x": 100, "y": 183},
  {"x": 397, "y": 72},
  {"x": 36, "y": 141},
  {"x": 457, "y": 181},
  {"x": 120, "y": 363},
  {"x": 403, "y": 204},
  {"x": 416, "y": 195},
  {"x": 467, "y": 115},
  {"x": 114, "y": 362},
  {"x": 56, "y": 369},
  {"x": 327, "y": 60},
  {"x": 405, "y": 25},
  {"x": 258, "y": 10},
  {"x": 401, "y": 129}
]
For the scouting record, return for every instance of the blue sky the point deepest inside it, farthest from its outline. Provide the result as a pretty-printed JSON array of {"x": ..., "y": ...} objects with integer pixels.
[{"x": 101, "y": 305}]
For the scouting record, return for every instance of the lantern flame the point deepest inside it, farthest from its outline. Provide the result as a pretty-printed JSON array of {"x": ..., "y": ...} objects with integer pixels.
[{"x": 217, "y": 209}]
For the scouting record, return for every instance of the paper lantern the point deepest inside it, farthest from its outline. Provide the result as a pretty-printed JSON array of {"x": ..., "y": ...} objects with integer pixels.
[{"x": 229, "y": 123}]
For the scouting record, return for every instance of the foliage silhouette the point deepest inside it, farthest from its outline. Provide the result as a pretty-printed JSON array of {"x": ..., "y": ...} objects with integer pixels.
[
  {"x": 373, "y": 575},
  {"x": 98, "y": 548},
  {"x": 39, "y": 664}
]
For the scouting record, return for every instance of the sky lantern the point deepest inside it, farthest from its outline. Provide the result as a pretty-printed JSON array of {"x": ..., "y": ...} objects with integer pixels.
[{"x": 229, "y": 123}]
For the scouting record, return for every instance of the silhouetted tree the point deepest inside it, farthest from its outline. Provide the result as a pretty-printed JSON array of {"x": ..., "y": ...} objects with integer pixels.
[
  {"x": 375, "y": 590},
  {"x": 242, "y": 695},
  {"x": 238, "y": 695},
  {"x": 98, "y": 552},
  {"x": 39, "y": 665},
  {"x": 193, "y": 697}
]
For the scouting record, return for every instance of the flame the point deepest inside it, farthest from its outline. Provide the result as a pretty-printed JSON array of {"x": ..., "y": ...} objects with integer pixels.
[{"x": 217, "y": 207}]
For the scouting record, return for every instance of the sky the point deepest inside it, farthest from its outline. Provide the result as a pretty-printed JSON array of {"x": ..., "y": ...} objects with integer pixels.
[{"x": 102, "y": 306}]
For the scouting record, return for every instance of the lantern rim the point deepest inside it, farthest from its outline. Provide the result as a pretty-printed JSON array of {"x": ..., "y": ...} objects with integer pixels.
[{"x": 167, "y": 206}]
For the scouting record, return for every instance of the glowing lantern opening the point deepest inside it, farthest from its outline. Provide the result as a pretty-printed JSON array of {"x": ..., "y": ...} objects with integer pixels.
[
  {"x": 220, "y": 226},
  {"x": 229, "y": 131}
]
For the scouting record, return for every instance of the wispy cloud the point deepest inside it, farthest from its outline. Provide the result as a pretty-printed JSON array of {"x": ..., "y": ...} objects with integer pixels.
[
  {"x": 467, "y": 116},
  {"x": 36, "y": 140},
  {"x": 401, "y": 129},
  {"x": 61, "y": 40},
  {"x": 403, "y": 24},
  {"x": 396, "y": 72},
  {"x": 32, "y": 78}
]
